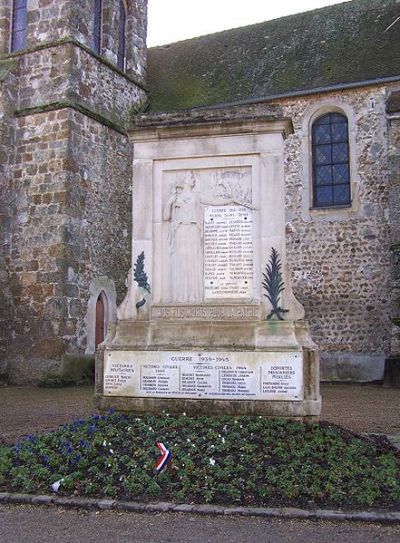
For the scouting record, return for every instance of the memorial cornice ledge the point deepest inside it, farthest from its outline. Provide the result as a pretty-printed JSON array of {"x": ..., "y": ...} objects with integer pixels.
[{"x": 164, "y": 127}]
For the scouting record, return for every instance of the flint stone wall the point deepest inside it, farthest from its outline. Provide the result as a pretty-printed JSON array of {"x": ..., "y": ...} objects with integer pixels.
[
  {"x": 340, "y": 261},
  {"x": 394, "y": 166}
]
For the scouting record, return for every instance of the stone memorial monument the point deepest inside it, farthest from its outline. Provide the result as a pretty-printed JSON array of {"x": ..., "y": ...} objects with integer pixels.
[{"x": 209, "y": 323}]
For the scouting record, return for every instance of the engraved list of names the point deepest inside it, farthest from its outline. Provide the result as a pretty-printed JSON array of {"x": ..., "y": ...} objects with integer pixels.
[
  {"x": 228, "y": 252},
  {"x": 212, "y": 375}
]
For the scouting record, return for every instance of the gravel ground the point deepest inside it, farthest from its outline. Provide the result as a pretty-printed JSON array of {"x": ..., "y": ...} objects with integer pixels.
[
  {"x": 27, "y": 410},
  {"x": 46, "y": 525}
]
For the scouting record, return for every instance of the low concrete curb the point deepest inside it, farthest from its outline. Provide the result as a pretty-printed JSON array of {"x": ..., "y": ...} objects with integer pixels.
[{"x": 167, "y": 507}]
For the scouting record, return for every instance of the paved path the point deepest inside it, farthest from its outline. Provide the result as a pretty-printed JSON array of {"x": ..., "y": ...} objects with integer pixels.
[
  {"x": 360, "y": 408},
  {"x": 42, "y": 525}
]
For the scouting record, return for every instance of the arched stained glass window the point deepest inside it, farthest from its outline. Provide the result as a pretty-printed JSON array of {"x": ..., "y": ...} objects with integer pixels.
[
  {"x": 98, "y": 8},
  {"x": 331, "y": 161},
  {"x": 19, "y": 25},
  {"x": 121, "y": 35}
]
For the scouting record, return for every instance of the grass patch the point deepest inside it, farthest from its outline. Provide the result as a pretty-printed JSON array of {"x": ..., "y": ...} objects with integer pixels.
[{"x": 224, "y": 460}]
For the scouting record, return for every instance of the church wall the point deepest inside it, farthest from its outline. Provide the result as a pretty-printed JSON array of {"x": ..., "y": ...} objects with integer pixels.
[
  {"x": 69, "y": 177},
  {"x": 100, "y": 184},
  {"x": 7, "y": 143},
  {"x": 69, "y": 74},
  {"x": 38, "y": 251},
  {"x": 50, "y": 21},
  {"x": 340, "y": 260},
  {"x": 394, "y": 167},
  {"x": 72, "y": 183}
]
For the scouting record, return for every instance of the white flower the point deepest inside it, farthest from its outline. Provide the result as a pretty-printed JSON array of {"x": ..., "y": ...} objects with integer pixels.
[
  {"x": 188, "y": 440},
  {"x": 111, "y": 451},
  {"x": 184, "y": 414},
  {"x": 223, "y": 440},
  {"x": 212, "y": 462},
  {"x": 104, "y": 443},
  {"x": 55, "y": 486}
]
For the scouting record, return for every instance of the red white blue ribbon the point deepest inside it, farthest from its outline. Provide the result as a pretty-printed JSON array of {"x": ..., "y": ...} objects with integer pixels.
[{"x": 164, "y": 458}]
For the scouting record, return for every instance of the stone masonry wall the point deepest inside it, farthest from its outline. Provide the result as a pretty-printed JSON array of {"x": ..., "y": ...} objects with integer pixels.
[
  {"x": 37, "y": 248},
  {"x": 341, "y": 261},
  {"x": 99, "y": 228},
  {"x": 53, "y": 20},
  {"x": 394, "y": 164},
  {"x": 69, "y": 175},
  {"x": 68, "y": 73},
  {"x": 72, "y": 189},
  {"x": 7, "y": 143}
]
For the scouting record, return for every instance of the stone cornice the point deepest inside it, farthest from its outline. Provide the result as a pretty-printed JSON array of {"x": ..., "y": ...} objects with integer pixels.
[
  {"x": 160, "y": 128},
  {"x": 53, "y": 106},
  {"x": 76, "y": 43}
]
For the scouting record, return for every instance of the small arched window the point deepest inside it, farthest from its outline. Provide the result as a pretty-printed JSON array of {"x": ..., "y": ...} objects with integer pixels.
[
  {"x": 121, "y": 35},
  {"x": 98, "y": 8},
  {"x": 331, "y": 161},
  {"x": 19, "y": 25}
]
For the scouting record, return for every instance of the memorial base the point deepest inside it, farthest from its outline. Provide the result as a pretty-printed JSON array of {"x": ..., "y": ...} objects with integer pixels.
[{"x": 253, "y": 368}]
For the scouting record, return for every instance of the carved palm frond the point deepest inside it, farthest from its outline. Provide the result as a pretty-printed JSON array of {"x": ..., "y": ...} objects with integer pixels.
[
  {"x": 139, "y": 274},
  {"x": 273, "y": 284}
]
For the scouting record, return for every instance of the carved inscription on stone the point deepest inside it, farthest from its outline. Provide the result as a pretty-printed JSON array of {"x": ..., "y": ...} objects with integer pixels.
[
  {"x": 205, "y": 375},
  {"x": 228, "y": 252},
  {"x": 206, "y": 312}
]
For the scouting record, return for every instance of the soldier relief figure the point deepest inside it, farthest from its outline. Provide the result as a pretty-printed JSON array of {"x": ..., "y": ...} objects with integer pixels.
[{"x": 185, "y": 213}]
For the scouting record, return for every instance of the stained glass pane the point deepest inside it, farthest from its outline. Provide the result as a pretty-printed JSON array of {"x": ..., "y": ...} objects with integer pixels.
[
  {"x": 19, "y": 25},
  {"x": 325, "y": 119},
  {"x": 20, "y": 19},
  {"x": 341, "y": 195},
  {"x": 322, "y": 134},
  {"x": 340, "y": 173},
  {"x": 323, "y": 154},
  {"x": 324, "y": 196},
  {"x": 323, "y": 175},
  {"x": 121, "y": 36},
  {"x": 98, "y": 4},
  {"x": 340, "y": 152},
  {"x": 337, "y": 118},
  {"x": 339, "y": 132}
]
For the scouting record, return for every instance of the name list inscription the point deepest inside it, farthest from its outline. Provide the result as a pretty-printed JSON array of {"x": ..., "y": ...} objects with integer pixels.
[
  {"x": 204, "y": 375},
  {"x": 228, "y": 252}
]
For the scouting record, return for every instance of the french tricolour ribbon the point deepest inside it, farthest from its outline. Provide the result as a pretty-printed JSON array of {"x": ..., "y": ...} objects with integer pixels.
[{"x": 164, "y": 458}]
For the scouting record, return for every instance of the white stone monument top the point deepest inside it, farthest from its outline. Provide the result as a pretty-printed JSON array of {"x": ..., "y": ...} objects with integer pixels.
[{"x": 210, "y": 318}]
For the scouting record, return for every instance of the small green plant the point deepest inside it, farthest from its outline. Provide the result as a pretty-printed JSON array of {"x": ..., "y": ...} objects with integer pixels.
[{"x": 234, "y": 460}]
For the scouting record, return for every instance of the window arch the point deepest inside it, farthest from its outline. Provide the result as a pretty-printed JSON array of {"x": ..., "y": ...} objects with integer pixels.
[
  {"x": 121, "y": 35},
  {"x": 331, "y": 161},
  {"x": 19, "y": 25},
  {"x": 97, "y": 19}
]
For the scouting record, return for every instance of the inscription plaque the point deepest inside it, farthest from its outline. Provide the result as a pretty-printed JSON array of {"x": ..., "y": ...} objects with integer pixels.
[
  {"x": 206, "y": 312},
  {"x": 228, "y": 252},
  {"x": 205, "y": 375}
]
